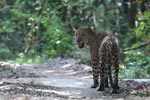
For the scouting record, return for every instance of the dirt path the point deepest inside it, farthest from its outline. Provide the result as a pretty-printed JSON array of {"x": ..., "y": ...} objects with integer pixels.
[{"x": 58, "y": 79}]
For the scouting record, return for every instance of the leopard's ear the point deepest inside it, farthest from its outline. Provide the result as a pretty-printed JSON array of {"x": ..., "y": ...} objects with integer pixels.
[{"x": 74, "y": 30}]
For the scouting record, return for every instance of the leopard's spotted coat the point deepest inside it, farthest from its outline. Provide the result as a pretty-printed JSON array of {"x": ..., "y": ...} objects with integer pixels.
[{"x": 104, "y": 56}]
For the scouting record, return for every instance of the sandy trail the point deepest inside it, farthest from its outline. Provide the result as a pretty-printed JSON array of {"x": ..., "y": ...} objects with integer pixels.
[{"x": 58, "y": 79}]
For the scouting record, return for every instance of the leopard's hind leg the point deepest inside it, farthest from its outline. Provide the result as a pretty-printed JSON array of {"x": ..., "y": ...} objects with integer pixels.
[
  {"x": 115, "y": 68},
  {"x": 103, "y": 68}
]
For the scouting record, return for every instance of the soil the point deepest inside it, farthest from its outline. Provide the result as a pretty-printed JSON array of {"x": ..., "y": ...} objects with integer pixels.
[{"x": 62, "y": 79}]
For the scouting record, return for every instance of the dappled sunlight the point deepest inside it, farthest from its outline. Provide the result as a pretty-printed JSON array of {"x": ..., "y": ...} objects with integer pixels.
[
  {"x": 48, "y": 71},
  {"x": 66, "y": 72},
  {"x": 63, "y": 82},
  {"x": 87, "y": 77},
  {"x": 67, "y": 65},
  {"x": 6, "y": 87},
  {"x": 66, "y": 93},
  {"x": 71, "y": 73}
]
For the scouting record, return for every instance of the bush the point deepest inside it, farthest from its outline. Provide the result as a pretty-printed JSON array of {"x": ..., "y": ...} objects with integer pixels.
[{"x": 35, "y": 30}]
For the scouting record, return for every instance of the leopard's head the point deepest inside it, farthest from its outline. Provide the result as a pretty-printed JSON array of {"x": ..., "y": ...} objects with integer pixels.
[{"x": 81, "y": 36}]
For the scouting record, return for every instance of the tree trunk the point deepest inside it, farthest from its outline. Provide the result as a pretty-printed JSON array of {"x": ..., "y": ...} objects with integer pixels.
[{"x": 132, "y": 14}]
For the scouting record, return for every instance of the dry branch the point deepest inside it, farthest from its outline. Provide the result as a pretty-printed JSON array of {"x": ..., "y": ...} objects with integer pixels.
[{"x": 146, "y": 43}]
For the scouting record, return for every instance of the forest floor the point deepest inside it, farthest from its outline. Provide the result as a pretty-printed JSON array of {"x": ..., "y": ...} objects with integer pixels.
[{"x": 62, "y": 79}]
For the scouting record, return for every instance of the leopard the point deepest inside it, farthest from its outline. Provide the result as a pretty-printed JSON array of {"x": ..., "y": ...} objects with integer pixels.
[{"x": 104, "y": 52}]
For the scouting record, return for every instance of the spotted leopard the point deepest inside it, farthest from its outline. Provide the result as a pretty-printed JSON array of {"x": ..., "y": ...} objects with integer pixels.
[{"x": 104, "y": 57}]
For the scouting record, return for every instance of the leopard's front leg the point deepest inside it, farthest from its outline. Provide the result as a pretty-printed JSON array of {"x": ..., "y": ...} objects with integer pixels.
[
  {"x": 95, "y": 69},
  {"x": 102, "y": 76}
]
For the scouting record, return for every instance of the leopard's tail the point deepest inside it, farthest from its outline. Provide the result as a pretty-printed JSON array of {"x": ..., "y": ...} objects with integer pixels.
[
  {"x": 109, "y": 63},
  {"x": 112, "y": 63}
]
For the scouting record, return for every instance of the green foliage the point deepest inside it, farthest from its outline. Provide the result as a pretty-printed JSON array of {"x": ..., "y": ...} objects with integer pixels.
[
  {"x": 60, "y": 40},
  {"x": 21, "y": 58},
  {"x": 137, "y": 61},
  {"x": 4, "y": 51},
  {"x": 36, "y": 30},
  {"x": 137, "y": 65},
  {"x": 143, "y": 30},
  {"x": 33, "y": 29}
]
